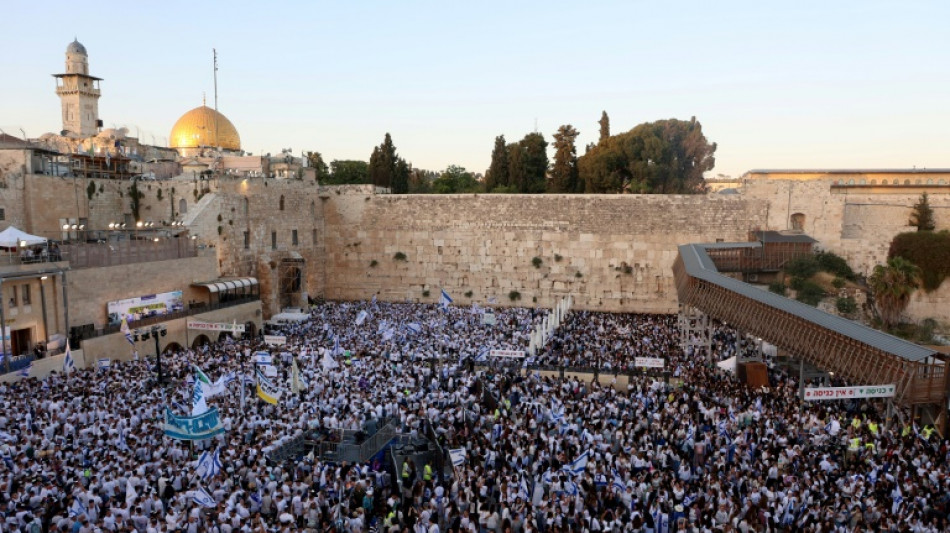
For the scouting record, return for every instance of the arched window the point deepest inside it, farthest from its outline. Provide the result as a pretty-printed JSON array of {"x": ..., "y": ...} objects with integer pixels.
[
  {"x": 798, "y": 222},
  {"x": 313, "y": 209},
  {"x": 246, "y": 206},
  {"x": 182, "y": 206},
  {"x": 851, "y": 181},
  {"x": 906, "y": 182},
  {"x": 873, "y": 182},
  {"x": 282, "y": 202}
]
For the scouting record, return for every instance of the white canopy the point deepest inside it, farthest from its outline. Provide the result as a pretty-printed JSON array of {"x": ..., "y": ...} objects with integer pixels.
[
  {"x": 12, "y": 237},
  {"x": 729, "y": 365},
  {"x": 290, "y": 317}
]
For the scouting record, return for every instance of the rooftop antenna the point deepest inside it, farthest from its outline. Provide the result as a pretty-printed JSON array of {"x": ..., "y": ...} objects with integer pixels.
[{"x": 215, "y": 52}]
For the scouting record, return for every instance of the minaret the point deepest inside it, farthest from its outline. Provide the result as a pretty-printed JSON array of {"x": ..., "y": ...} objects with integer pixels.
[{"x": 79, "y": 93}]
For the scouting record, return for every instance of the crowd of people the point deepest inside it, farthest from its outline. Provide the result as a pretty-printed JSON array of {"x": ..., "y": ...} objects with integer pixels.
[{"x": 86, "y": 451}]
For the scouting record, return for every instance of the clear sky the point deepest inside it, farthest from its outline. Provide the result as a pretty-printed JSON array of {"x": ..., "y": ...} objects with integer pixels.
[{"x": 776, "y": 85}]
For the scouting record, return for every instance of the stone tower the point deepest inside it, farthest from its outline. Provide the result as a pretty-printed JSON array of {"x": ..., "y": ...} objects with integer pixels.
[{"x": 79, "y": 93}]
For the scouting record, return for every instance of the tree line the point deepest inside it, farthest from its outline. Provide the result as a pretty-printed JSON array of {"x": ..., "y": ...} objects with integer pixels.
[{"x": 663, "y": 157}]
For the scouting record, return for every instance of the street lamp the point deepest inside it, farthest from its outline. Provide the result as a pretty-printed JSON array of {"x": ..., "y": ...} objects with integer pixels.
[{"x": 154, "y": 331}]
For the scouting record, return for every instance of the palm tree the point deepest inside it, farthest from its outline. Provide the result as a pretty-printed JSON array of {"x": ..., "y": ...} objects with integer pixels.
[{"x": 892, "y": 285}]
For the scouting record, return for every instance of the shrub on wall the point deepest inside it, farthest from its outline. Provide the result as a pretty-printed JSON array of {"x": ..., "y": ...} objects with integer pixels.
[
  {"x": 834, "y": 264},
  {"x": 846, "y": 305},
  {"x": 810, "y": 293},
  {"x": 425, "y": 294},
  {"x": 514, "y": 296},
  {"x": 777, "y": 287},
  {"x": 399, "y": 256},
  {"x": 373, "y": 263},
  {"x": 928, "y": 250},
  {"x": 468, "y": 294},
  {"x": 802, "y": 267},
  {"x": 536, "y": 261}
]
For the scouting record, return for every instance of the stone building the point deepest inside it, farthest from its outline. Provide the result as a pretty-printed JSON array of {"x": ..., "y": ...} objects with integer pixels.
[{"x": 79, "y": 93}]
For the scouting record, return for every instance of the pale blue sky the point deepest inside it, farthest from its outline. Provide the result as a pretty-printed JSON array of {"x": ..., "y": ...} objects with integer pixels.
[{"x": 776, "y": 85}]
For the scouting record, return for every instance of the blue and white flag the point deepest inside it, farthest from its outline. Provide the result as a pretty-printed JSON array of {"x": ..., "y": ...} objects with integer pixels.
[
  {"x": 523, "y": 490},
  {"x": 68, "y": 363},
  {"x": 570, "y": 488},
  {"x": 361, "y": 317},
  {"x": 617, "y": 484},
  {"x": 209, "y": 465},
  {"x": 388, "y": 334},
  {"x": 445, "y": 300},
  {"x": 201, "y": 497},
  {"x": 124, "y": 328},
  {"x": 25, "y": 371},
  {"x": 103, "y": 363},
  {"x": 374, "y": 300},
  {"x": 579, "y": 465},
  {"x": 458, "y": 456},
  {"x": 482, "y": 355},
  {"x": 414, "y": 327},
  {"x": 199, "y": 405},
  {"x": 77, "y": 508},
  {"x": 336, "y": 346},
  {"x": 124, "y": 446}
]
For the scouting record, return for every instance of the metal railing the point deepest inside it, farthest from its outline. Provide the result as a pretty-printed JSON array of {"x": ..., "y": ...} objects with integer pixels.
[
  {"x": 113, "y": 253},
  {"x": 193, "y": 309}
]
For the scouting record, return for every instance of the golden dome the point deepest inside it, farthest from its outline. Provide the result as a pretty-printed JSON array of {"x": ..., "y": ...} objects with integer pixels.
[{"x": 197, "y": 128}]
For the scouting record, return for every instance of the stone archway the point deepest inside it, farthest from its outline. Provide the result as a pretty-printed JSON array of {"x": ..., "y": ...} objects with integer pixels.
[
  {"x": 182, "y": 207},
  {"x": 200, "y": 340},
  {"x": 290, "y": 283},
  {"x": 224, "y": 335},
  {"x": 250, "y": 330},
  {"x": 172, "y": 347}
]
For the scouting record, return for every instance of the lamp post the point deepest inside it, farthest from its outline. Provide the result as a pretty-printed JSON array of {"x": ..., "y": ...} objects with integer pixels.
[
  {"x": 154, "y": 331},
  {"x": 43, "y": 304}
]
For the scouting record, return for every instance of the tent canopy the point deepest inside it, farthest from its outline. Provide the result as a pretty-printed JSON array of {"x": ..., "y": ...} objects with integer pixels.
[{"x": 12, "y": 237}]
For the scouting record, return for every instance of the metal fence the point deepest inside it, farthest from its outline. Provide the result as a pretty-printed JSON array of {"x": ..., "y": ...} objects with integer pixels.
[
  {"x": 193, "y": 309},
  {"x": 113, "y": 253}
]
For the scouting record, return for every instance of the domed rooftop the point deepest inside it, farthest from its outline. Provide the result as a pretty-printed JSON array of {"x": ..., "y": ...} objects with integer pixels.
[
  {"x": 76, "y": 47},
  {"x": 203, "y": 126}
]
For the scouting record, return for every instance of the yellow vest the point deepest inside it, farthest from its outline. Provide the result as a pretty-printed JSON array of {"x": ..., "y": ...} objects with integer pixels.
[
  {"x": 405, "y": 470},
  {"x": 928, "y": 431},
  {"x": 855, "y": 444},
  {"x": 873, "y": 427},
  {"x": 856, "y": 423},
  {"x": 427, "y": 474},
  {"x": 905, "y": 431}
]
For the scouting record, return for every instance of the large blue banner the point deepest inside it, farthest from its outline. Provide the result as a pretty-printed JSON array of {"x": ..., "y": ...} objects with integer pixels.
[{"x": 199, "y": 427}]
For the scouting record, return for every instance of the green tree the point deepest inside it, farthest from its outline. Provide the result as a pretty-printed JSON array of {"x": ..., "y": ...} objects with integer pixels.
[
  {"x": 534, "y": 164},
  {"x": 315, "y": 161},
  {"x": 401, "y": 177},
  {"x": 564, "y": 169},
  {"x": 454, "y": 180},
  {"x": 378, "y": 173},
  {"x": 930, "y": 250},
  {"x": 515, "y": 168},
  {"x": 497, "y": 175},
  {"x": 922, "y": 217},
  {"x": 420, "y": 181},
  {"x": 348, "y": 172},
  {"x": 892, "y": 286},
  {"x": 664, "y": 157},
  {"x": 604, "y": 127}
]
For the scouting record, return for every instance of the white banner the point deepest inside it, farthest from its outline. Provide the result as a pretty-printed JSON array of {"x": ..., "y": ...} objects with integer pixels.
[
  {"x": 488, "y": 319},
  {"x": 212, "y": 326},
  {"x": 506, "y": 353},
  {"x": 270, "y": 371},
  {"x": 145, "y": 306},
  {"x": 847, "y": 393},
  {"x": 275, "y": 340},
  {"x": 649, "y": 362}
]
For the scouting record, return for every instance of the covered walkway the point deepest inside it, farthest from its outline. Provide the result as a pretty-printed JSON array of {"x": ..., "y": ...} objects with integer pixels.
[{"x": 852, "y": 351}]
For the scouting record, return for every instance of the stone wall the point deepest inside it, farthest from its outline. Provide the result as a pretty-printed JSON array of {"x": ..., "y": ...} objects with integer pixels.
[
  {"x": 90, "y": 289},
  {"x": 613, "y": 253},
  {"x": 116, "y": 347}
]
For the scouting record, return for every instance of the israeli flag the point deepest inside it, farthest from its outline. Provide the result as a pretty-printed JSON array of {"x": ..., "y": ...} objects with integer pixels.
[
  {"x": 617, "y": 484},
  {"x": 209, "y": 465},
  {"x": 414, "y": 327},
  {"x": 690, "y": 433},
  {"x": 458, "y": 456},
  {"x": 336, "y": 346},
  {"x": 68, "y": 363},
  {"x": 361, "y": 317},
  {"x": 201, "y": 497},
  {"x": 482, "y": 356},
  {"x": 25, "y": 371},
  {"x": 122, "y": 444},
  {"x": 579, "y": 465},
  {"x": 523, "y": 490},
  {"x": 381, "y": 327},
  {"x": 374, "y": 300},
  {"x": 570, "y": 488},
  {"x": 77, "y": 508},
  {"x": 103, "y": 364},
  {"x": 445, "y": 300},
  {"x": 124, "y": 328},
  {"x": 557, "y": 413},
  {"x": 199, "y": 405},
  {"x": 722, "y": 429},
  {"x": 256, "y": 497}
]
